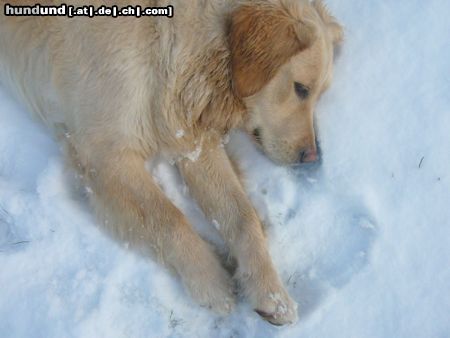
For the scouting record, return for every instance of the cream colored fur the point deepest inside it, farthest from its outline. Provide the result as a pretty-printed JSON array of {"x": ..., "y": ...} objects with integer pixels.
[{"x": 117, "y": 92}]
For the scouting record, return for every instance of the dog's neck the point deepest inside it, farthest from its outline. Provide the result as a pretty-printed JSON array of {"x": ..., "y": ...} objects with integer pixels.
[
  {"x": 225, "y": 109},
  {"x": 203, "y": 81},
  {"x": 207, "y": 88}
]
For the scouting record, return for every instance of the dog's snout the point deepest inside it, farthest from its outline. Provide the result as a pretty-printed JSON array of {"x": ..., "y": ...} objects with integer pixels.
[{"x": 308, "y": 155}]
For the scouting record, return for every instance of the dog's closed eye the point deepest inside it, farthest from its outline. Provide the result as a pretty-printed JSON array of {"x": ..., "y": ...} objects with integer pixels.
[{"x": 301, "y": 90}]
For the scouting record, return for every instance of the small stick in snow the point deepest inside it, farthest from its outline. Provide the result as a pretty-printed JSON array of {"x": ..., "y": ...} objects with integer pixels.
[
  {"x": 173, "y": 321},
  {"x": 421, "y": 160},
  {"x": 21, "y": 242}
]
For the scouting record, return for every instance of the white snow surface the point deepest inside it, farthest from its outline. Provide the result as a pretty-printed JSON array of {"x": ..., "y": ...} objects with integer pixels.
[{"x": 362, "y": 242}]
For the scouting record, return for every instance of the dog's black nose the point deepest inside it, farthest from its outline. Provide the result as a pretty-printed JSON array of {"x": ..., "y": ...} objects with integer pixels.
[{"x": 308, "y": 155}]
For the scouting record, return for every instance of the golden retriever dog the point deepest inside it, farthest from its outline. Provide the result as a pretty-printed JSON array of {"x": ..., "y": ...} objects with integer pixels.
[{"x": 120, "y": 91}]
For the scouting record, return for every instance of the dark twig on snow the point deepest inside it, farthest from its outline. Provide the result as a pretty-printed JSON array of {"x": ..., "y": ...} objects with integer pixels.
[
  {"x": 421, "y": 161},
  {"x": 21, "y": 242},
  {"x": 174, "y": 322}
]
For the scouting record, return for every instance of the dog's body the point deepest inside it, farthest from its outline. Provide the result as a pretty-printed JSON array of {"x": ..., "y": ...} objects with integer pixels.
[{"x": 120, "y": 91}]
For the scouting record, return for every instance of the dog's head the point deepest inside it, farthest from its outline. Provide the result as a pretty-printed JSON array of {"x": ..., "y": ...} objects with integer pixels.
[{"x": 282, "y": 58}]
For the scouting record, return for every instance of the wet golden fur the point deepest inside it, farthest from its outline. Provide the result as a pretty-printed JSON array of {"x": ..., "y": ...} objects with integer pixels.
[{"x": 118, "y": 92}]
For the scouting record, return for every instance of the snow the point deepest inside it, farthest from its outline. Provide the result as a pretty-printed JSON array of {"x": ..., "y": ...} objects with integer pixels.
[
  {"x": 195, "y": 154},
  {"x": 180, "y": 133},
  {"x": 361, "y": 241}
]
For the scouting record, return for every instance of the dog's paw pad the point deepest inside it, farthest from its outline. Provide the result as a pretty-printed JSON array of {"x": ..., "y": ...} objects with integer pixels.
[{"x": 278, "y": 309}]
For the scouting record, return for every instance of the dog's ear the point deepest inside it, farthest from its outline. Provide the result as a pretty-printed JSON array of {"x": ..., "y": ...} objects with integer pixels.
[
  {"x": 263, "y": 38},
  {"x": 334, "y": 28}
]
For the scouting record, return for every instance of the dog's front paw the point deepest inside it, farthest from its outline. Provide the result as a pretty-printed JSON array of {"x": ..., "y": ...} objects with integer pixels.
[
  {"x": 211, "y": 286},
  {"x": 277, "y": 308},
  {"x": 269, "y": 299},
  {"x": 219, "y": 298}
]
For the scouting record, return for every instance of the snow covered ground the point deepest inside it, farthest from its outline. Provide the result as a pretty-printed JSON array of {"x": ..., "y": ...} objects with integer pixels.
[{"x": 363, "y": 242}]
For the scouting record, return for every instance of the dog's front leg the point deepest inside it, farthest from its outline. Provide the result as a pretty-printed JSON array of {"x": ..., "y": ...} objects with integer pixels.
[
  {"x": 216, "y": 187},
  {"x": 136, "y": 212}
]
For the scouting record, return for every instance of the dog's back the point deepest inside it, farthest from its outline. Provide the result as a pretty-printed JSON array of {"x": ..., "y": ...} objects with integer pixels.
[{"x": 53, "y": 64}]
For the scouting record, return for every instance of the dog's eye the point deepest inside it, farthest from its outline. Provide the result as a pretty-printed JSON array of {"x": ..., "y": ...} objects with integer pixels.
[{"x": 301, "y": 90}]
